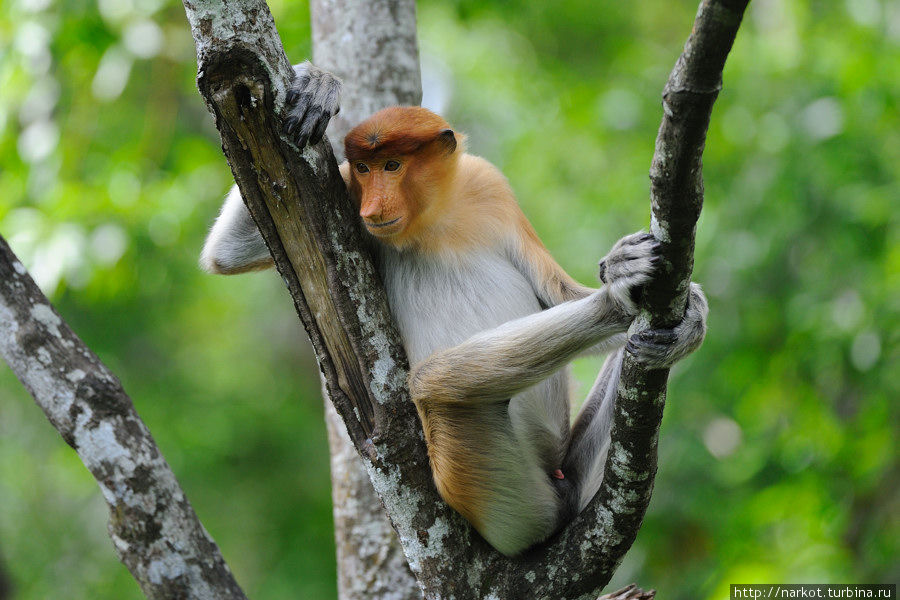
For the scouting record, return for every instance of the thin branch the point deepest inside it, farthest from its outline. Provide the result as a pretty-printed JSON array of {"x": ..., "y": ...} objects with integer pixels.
[
  {"x": 153, "y": 527},
  {"x": 608, "y": 526}
]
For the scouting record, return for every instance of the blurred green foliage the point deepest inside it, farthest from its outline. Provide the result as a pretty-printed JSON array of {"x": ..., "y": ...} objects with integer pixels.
[{"x": 778, "y": 454}]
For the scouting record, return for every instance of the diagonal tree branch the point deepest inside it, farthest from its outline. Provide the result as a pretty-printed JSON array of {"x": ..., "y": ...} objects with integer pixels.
[{"x": 153, "y": 527}]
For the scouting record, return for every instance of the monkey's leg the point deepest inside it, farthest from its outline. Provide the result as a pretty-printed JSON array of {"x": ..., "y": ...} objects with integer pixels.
[
  {"x": 656, "y": 348},
  {"x": 589, "y": 439}
]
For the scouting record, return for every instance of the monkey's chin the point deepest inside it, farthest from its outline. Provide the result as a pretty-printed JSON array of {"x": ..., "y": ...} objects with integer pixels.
[{"x": 385, "y": 230}]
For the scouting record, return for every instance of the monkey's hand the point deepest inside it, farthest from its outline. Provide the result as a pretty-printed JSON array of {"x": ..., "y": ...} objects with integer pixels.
[
  {"x": 659, "y": 348},
  {"x": 627, "y": 267},
  {"x": 313, "y": 98}
]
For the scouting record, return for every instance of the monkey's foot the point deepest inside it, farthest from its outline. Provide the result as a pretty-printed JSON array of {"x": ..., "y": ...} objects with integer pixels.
[
  {"x": 630, "y": 592},
  {"x": 660, "y": 348}
]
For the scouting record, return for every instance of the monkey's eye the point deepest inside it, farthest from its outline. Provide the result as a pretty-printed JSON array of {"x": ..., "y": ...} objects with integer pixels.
[
  {"x": 391, "y": 165},
  {"x": 362, "y": 168}
]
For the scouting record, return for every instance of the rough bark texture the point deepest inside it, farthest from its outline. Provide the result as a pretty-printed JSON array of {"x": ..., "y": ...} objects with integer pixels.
[
  {"x": 370, "y": 560},
  {"x": 301, "y": 207},
  {"x": 152, "y": 525},
  {"x": 371, "y": 45}
]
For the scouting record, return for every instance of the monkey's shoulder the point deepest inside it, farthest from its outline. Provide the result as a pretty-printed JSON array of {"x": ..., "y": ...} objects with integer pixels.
[
  {"x": 484, "y": 182},
  {"x": 486, "y": 202}
]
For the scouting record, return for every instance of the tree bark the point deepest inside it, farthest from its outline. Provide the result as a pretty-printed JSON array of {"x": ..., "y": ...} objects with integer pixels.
[
  {"x": 371, "y": 45},
  {"x": 302, "y": 209},
  {"x": 154, "y": 529}
]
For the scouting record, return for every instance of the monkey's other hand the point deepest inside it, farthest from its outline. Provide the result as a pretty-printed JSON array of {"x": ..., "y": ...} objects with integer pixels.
[
  {"x": 313, "y": 98},
  {"x": 628, "y": 266},
  {"x": 660, "y": 348}
]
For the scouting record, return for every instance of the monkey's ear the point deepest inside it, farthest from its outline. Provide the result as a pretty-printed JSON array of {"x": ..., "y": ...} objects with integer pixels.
[{"x": 447, "y": 140}]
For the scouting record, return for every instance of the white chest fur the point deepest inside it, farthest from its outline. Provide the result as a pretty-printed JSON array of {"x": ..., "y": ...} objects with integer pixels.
[{"x": 438, "y": 302}]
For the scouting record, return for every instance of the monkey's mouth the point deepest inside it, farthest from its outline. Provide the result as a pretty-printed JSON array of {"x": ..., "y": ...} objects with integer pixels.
[{"x": 381, "y": 226}]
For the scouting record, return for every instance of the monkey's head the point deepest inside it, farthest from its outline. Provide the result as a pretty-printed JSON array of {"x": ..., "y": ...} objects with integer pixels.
[{"x": 402, "y": 161}]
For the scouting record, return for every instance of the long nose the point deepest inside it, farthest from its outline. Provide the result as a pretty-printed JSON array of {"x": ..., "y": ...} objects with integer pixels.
[{"x": 371, "y": 211}]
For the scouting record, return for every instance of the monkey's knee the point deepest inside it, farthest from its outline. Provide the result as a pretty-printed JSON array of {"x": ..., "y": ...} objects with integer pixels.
[{"x": 432, "y": 380}]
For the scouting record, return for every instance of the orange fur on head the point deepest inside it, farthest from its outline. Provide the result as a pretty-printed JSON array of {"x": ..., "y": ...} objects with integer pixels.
[
  {"x": 395, "y": 131},
  {"x": 398, "y": 205}
]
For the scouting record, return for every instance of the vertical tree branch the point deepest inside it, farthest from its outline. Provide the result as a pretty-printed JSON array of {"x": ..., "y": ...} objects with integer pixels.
[
  {"x": 371, "y": 45},
  {"x": 153, "y": 527}
]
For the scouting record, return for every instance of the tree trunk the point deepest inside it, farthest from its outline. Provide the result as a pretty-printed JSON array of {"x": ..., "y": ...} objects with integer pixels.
[{"x": 371, "y": 45}]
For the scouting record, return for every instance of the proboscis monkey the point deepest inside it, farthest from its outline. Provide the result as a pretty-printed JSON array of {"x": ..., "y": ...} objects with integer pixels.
[{"x": 488, "y": 318}]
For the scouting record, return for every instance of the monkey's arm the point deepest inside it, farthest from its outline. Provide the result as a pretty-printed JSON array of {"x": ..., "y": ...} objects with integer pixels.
[
  {"x": 234, "y": 244},
  {"x": 550, "y": 282},
  {"x": 495, "y": 365}
]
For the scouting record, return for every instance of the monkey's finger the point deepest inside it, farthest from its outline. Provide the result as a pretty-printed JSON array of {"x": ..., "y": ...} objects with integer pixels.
[
  {"x": 633, "y": 272},
  {"x": 298, "y": 116},
  {"x": 306, "y": 127},
  {"x": 295, "y": 116},
  {"x": 319, "y": 130},
  {"x": 654, "y": 355},
  {"x": 298, "y": 86},
  {"x": 646, "y": 248},
  {"x": 638, "y": 238},
  {"x": 631, "y": 240}
]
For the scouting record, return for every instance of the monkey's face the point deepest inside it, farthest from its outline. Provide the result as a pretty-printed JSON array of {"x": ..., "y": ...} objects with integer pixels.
[
  {"x": 401, "y": 163},
  {"x": 384, "y": 204}
]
